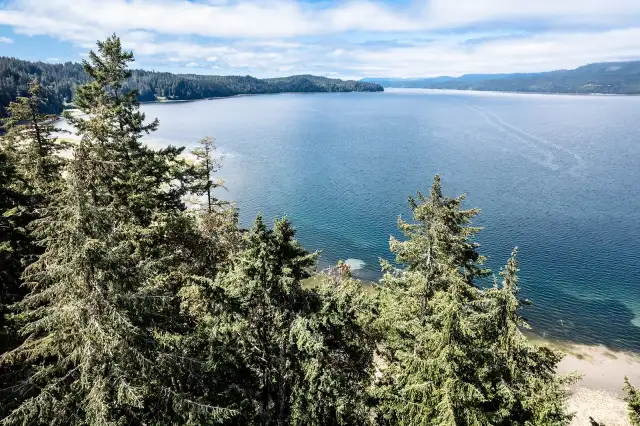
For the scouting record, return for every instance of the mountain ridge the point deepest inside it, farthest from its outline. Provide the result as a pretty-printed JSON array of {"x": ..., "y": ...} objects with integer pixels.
[{"x": 621, "y": 77}]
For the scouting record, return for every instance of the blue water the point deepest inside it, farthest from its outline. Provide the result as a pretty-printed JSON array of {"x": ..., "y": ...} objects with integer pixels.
[{"x": 557, "y": 176}]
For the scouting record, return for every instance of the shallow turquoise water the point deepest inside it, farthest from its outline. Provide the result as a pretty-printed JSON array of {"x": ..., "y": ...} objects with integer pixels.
[{"x": 558, "y": 176}]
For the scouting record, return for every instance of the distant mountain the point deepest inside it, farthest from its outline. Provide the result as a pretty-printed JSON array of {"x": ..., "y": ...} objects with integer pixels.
[
  {"x": 605, "y": 77},
  {"x": 60, "y": 80}
]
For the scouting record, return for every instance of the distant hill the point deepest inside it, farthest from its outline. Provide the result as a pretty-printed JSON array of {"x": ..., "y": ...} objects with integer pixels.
[
  {"x": 60, "y": 80},
  {"x": 605, "y": 77}
]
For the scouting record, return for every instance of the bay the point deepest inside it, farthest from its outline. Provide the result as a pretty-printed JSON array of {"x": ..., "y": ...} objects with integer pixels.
[{"x": 558, "y": 176}]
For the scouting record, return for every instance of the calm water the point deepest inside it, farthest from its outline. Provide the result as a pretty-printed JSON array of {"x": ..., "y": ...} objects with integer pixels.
[{"x": 558, "y": 176}]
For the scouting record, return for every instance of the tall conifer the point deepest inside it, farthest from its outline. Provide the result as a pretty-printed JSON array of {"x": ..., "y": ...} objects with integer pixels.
[{"x": 104, "y": 292}]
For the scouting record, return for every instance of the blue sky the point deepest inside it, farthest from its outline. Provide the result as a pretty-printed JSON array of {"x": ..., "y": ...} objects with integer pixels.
[{"x": 347, "y": 39}]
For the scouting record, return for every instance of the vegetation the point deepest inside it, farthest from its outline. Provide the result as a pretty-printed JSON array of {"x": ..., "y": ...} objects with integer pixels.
[
  {"x": 633, "y": 399},
  {"x": 60, "y": 81},
  {"x": 607, "y": 77},
  {"x": 141, "y": 311}
]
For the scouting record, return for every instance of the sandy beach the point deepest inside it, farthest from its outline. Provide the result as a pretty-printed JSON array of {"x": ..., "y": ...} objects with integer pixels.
[{"x": 598, "y": 394}]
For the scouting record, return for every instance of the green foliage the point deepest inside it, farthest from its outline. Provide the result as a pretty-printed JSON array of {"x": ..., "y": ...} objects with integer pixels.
[
  {"x": 30, "y": 176},
  {"x": 105, "y": 279},
  {"x": 308, "y": 351},
  {"x": 454, "y": 354},
  {"x": 632, "y": 397}
]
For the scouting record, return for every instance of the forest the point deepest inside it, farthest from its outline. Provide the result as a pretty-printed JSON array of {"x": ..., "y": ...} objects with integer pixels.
[
  {"x": 59, "y": 82},
  {"x": 132, "y": 296}
]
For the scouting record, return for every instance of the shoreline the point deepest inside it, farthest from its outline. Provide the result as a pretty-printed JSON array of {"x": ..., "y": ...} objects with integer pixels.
[
  {"x": 598, "y": 393},
  {"x": 506, "y": 92}
]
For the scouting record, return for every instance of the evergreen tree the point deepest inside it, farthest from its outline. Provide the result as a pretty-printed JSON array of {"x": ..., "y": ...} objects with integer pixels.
[
  {"x": 453, "y": 354},
  {"x": 632, "y": 398},
  {"x": 524, "y": 387},
  {"x": 31, "y": 133},
  {"x": 134, "y": 176},
  {"x": 309, "y": 358},
  {"x": 103, "y": 293},
  {"x": 31, "y": 170},
  {"x": 16, "y": 249},
  {"x": 207, "y": 165},
  {"x": 335, "y": 346}
]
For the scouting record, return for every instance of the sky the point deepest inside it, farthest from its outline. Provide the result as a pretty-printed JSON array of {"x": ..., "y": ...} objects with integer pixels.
[{"x": 345, "y": 39}]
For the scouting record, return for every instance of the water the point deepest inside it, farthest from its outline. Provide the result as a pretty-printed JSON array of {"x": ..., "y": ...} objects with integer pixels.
[{"x": 557, "y": 176}]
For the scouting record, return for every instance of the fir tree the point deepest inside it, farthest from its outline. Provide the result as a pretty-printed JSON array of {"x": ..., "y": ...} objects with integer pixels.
[
  {"x": 632, "y": 397},
  {"x": 335, "y": 346},
  {"x": 308, "y": 350},
  {"x": 454, "y": 354},
  {"x": 523, "y": 385},
  {"x": 135, "y": 176},
  {"x": 16, "y": 250},
  {"x": 103, "y": 293},
  {"x": 31, "y": 170}
]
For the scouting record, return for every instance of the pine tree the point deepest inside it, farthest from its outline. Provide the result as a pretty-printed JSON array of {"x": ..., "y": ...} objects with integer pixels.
[{"x": 632, "y": 398}]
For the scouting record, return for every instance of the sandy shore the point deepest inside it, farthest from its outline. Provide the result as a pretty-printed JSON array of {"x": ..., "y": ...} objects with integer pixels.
[{"x": 598, "y": 394}]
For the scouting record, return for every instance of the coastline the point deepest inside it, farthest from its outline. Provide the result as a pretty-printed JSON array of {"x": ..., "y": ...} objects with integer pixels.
[{"x": 507, "y": 92}]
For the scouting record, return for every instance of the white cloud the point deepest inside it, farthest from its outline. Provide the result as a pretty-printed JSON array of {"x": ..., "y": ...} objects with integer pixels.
[
  {"x": 269, "y": 37},
  {"x": 89, "y": 19},
  {"x": 191, "y": 65},
  {"x": 6, "y": 40}
]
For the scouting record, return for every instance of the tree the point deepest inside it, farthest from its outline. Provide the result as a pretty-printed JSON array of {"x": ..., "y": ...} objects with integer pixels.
[
  {"x": 335, "y": 346},
  {"x": 16, "y": 250},
  {"x": 632, "y": 398},
  {"x": 103, "y": 295},
  {"x": 134, "y": 175},
  {"x": 453, "y": 353},
  {"x": 206, "y": 166},
  {"x": 524, "y": 384},
  {"x": 307, "y": 350},
  {"x": 429, "y": 309},
  {"x": 31, "y": 173},
  {"x": 31, "y": 133}
]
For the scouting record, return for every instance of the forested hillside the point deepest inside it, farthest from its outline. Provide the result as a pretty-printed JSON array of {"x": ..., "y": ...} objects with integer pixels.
[
  {"x": 605, "y": 78},
  {"x": 59, "y": 82},
  {"x": 122, "y": 304}
]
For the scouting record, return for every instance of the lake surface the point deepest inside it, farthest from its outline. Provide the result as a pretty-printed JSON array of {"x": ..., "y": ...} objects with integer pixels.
[{"x": 557, "y": 176}]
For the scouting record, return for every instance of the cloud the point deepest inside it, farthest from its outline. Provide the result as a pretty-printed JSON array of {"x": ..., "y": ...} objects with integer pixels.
[
  {"x": 6, "y": 40},
  {"x": 347, "y": 38}
]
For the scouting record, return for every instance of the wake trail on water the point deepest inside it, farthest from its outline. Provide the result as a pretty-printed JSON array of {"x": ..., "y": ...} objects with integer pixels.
[{"x": 539, "y": 144}]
